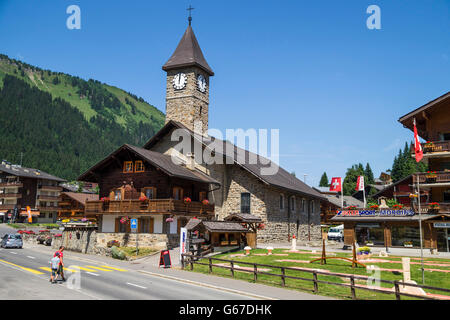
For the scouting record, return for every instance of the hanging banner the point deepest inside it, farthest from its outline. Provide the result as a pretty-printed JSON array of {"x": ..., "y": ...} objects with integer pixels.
[{"x": 183, "y": 240}]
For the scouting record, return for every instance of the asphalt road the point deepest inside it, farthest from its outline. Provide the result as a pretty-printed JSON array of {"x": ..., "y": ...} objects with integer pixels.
[{"x": 25, "y": 274}]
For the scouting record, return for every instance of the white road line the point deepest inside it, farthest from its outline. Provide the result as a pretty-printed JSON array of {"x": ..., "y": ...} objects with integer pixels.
[
  {"x": 31, "y": 257},
  {"x": 135, "y": 285},
  {"x": 13, "y": 252},
  {"x": 94, "y": 274}
]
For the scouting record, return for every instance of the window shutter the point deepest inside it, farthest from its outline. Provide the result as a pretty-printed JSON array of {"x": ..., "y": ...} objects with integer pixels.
[{"x": 116, "y": 225}]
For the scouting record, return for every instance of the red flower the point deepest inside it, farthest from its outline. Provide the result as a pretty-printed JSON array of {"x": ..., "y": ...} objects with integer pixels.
[
  {"x": 187, "y": 200},
  {"x": 143, "y": 198},
  {"x": 205, "y": 202}
]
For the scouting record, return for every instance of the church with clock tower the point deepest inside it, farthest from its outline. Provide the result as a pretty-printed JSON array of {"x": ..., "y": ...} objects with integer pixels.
[
  {"x": 187, "y": 95},
  {"x": 233, "y": 188}
]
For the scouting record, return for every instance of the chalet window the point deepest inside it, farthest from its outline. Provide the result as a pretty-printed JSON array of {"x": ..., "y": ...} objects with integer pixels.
[
  {"x": 312, "y": 206},
  {"x": 447, "y": 195},
  {"x": 122, "y": 227},
  {"x": 245, "y": 202},
  {"x": 202, "y": 196},
  {"x": 281, "y": 201},
  {"x": 292, "y": 204},
  {"x": 139, "y": 166},
  {"x": 146, "y": 225},
  {"x": 303, "y": 205},
  {"x": 150, "y": 193},
  {"x": 177, "y": 193},
  {"x": 128, "y": 166}
]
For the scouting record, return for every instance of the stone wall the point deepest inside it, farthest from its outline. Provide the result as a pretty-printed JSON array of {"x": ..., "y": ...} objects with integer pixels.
[{"x": 83, "y": 241}]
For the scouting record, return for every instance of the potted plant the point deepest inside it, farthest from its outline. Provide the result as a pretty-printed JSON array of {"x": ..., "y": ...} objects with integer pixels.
[
  {"x": 187, "y": 200},
  {"x": 374, "y": 207},
  {"x": 143, "y": 198},
  {"x": 205, "y": 202},
  {"x": 113, "y": 243},
  {"x": 408, "y": 244},
  {"x": 124, "y": 220},
  {"x": 397, "y": 206},
  {"x": 428, "y": 146},
  {"x": 261, "y": 226},
  {"x": 431, "y": 176},
  {"x": 433, "y": 207},
  {"x": 104, "y": 199},
  {"x": 170, "y": 219},
  {"x": 351, "y": 208}
]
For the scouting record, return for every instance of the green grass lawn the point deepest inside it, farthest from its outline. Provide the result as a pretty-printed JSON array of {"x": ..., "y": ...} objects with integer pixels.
[
  {"x": 130, "y": 252},
  {"x": 435, "y": 279}
]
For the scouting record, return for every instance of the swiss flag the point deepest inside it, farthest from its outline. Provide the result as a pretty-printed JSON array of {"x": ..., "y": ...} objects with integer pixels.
[
  {"x": 336, "y": 184},
  {"x": 417, "y": 146},
  {"x": 360, "y": 183}
]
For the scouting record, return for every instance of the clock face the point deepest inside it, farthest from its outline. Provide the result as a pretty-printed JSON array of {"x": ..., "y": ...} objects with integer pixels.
[
  {"x": 179, "y": 81},
  {"x": 201, "y": 83}
]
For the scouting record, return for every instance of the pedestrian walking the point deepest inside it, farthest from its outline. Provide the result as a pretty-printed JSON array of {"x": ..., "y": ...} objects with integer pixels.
[
  {"x": 54, "y": 262},
  {"x": 61, "y": 262}
]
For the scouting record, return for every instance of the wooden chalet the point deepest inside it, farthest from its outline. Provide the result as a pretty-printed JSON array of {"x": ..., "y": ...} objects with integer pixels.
[
  {"x": 149, "y": 186},
  {"x": 72, "y": 204}
]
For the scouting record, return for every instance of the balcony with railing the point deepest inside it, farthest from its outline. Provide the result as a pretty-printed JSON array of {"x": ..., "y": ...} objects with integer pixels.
[
  {"x": 435, "y": 178},
  {"x": 434, "y": 149},
  {"x": 7, "y": 206},
  {"x": 44, "y": 197},
  {"x": 10, "y": 195},
  {"x": 49, "y": 188},
  {"x": 153, "y": 206},
  {"x": 11, "y": 184}
]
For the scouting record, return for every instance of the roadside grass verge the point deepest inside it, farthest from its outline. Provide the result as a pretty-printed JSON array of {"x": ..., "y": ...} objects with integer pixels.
[{"x": 432, "y": 278}]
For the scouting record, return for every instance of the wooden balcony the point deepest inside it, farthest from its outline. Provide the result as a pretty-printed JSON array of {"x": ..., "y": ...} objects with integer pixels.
[
  {"x": 44, "y": 197},
  {"x": 10, "y": 195},
  {"x": 7, "y": 206},
  {"x": 156, "y": 206},
  {"x": 47, "y": 208},
  {"x": 436, "y": 146},
  {"x": 50, "y": 188},
  {"x": 15, "y": 184},
  {"x": 442, "y": 177}
]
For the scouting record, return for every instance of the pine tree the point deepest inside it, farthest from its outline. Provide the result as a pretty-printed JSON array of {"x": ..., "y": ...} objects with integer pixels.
[
  {"x": 368, "y": 175},
  {"x": 324, "y": 180}
]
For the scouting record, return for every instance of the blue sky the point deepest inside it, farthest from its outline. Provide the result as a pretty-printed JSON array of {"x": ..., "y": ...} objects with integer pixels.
[{"x": 312, "y": 69}]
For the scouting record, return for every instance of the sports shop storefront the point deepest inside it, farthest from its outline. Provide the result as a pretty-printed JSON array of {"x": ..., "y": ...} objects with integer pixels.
[{"x": 395, "y": 228}]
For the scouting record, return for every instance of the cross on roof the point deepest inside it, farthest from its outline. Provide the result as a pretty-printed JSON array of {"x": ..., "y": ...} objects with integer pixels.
[{"x": 190, "y": 11}]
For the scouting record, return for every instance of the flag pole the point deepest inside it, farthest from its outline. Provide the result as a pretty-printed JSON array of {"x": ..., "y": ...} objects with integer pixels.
[{"x": 420, "y": 230}]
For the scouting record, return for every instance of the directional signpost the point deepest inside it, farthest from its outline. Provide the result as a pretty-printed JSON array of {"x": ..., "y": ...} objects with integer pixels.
[{"x": 134, "y": 226}]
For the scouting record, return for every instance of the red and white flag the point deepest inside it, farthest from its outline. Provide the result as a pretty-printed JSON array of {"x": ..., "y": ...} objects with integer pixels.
[
  {"x": 360, "y": 183},
  {"x": 335, "y": 184},
  {"x": 417, "y": 146}
]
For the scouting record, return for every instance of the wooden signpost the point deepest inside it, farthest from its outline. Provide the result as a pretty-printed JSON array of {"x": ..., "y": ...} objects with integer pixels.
[{"x": 323, "y": 259}]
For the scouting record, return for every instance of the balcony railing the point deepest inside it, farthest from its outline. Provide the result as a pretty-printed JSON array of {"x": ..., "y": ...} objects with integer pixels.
[
  {"x": 50, "y": 188},
  {"x": 10, "y": 195},
  {"x": 441, "y": 177},
  {"x": 437, "y": 146},
  {"x": 7, "y": 206},
  {"x": 47, "y": 208},
  {"x": 158, "y": 206},
  {"x": 44, "y": 197},
  {"x": 13, "y": 184}
]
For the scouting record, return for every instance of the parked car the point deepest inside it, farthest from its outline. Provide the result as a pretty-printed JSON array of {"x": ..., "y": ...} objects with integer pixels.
[
  {"x": 336, "y": 233},
  {"x": 12, "y": 240}
]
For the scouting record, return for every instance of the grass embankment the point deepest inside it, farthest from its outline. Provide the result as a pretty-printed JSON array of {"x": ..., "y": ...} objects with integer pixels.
[
  {"x": 130, "y": 252},
  {"x": 393, "y": 263}
]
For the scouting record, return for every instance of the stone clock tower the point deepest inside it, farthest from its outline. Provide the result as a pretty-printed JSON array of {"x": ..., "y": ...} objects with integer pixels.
[{"x": 187, "y": 93}]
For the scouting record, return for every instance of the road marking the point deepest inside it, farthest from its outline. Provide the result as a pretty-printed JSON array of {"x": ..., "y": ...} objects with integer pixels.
[
  {"x": 136, "y": 285},
  {"x": 23, "y": 268},
  {"x": 94, "y": 274},
  {"x": 13, "y": 252},
  {"x": 101, "y": 269},
  {"x": 81, "y": 268},
  {"x": 70, "y": 270},
  {"x": 117, "y": 269},
  {"x": 46, "y": 269},
  {"x": 31, "y": 257}
]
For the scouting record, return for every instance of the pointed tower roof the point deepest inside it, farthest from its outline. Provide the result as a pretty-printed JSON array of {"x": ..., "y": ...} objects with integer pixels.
[{"x": 188, "y": 53}]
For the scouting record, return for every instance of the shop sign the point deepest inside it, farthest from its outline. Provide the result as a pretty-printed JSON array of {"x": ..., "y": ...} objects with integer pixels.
[
  {"x": 368, "y": 225},
  {"x": 441, "y": 224},
  {"x": 375, "y": 213}
]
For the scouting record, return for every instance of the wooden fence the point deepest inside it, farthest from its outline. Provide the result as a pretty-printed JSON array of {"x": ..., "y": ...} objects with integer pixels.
[{"x": 188, "y": 259}]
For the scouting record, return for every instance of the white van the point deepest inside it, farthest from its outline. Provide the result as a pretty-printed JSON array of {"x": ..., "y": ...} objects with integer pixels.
[{"x": 336, "y": 233}]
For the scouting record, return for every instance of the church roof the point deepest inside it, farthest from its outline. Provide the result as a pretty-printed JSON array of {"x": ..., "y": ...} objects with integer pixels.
[
  {"x": 281, "y": 179},
  {"x": 188, "y": 53},
  {"x": 159, "y": 160}
]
